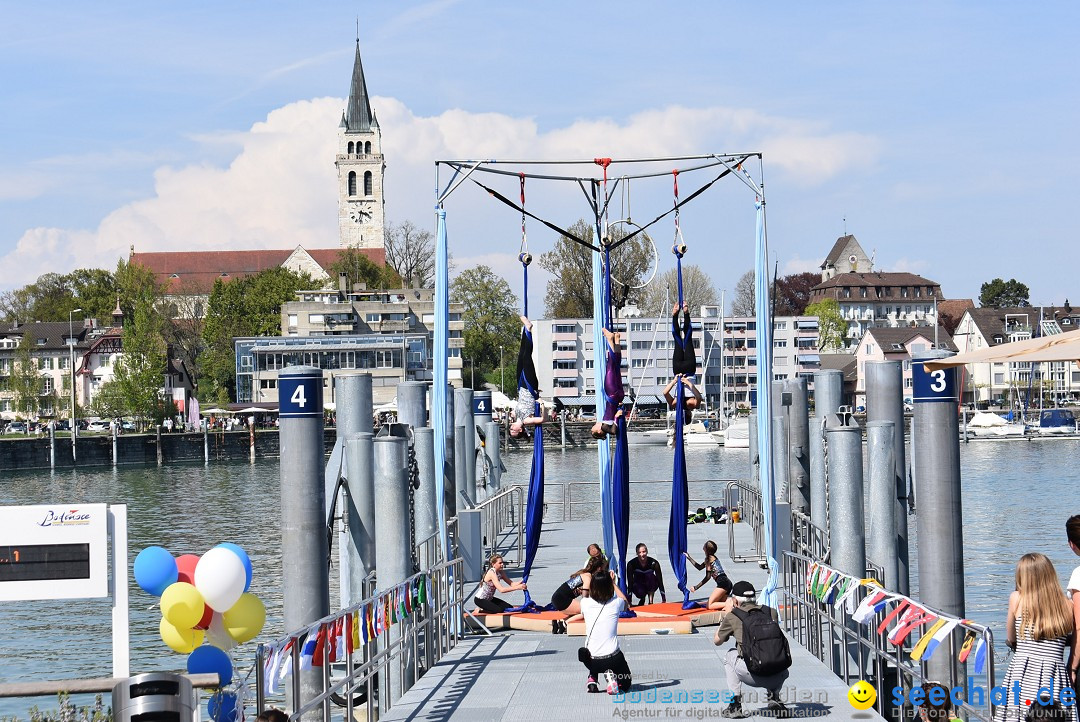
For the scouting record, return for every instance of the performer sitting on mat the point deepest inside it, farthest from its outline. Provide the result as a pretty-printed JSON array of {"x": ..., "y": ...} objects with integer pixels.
[
  {"x": 714, "y": 571},
  {"x": 485, "y": 599},
  {"x": 643, "y": 576},
  {"x": 565, "y": 599},
  {"x": 613, "y": 388},
  {"x": 528, "y": 385}
]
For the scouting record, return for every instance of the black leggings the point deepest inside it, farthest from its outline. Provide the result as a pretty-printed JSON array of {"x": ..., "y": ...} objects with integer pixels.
[
  {"x": 683, "y": 356},
  {"x": 615, "y": 663},
  {"x": 493, "y": 605},
  {"x": 525, "y": 362}
]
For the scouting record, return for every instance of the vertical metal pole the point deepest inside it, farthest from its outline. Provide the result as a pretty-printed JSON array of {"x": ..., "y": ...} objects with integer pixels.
[
  {"x": 360, "y": 512},
  {"x": 354, "y": 412},
  {"x": 52, "y": 447},
  {"x": 157, "y": 445},
  {"x": 206, "y": 440},
  {"x": 427, "y": 519},
  {"x": 115, "y": 444},
  {"x": 798, "y": 444},
  {"x": 779, "y": 449},
  {"x": 462, "y": 437},
  {"x": 118, "y": 588},
  {"x": 882, "y": 541},
  {"x": 393, "y": 559},
  {"x": 412, "y": 404},
  {"x": 935, "y": 441},
  {"x": 755, "y": 461},
  {"x": 494, "y": 454},
  {"x": 828, "y": 391},
  {"x": 305, "y": 576},
  {"x": 463, "y": 416},
  {"x": 562, "y": 429},
  {"x": 846, "y": 513},
  {"x": 251, "y": 438},
  {"x": 885, "y": 402}
]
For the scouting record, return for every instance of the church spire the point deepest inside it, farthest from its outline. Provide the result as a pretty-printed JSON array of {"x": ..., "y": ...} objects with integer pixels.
[{"x": 358, "y": 115}]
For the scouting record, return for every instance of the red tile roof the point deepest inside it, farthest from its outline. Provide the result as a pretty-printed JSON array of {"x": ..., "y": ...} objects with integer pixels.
[{"x": 194, "y": 272}]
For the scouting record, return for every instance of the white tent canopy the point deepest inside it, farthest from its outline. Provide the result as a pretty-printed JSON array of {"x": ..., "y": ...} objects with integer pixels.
[{"x": 1059, "y": 347}]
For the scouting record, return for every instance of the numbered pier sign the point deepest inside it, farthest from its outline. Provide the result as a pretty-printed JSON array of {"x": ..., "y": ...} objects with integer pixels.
[
  {"x": 300, "y": 395},
  {"x": 932, "y": 386},
  {"x": 481, "y": 404}
]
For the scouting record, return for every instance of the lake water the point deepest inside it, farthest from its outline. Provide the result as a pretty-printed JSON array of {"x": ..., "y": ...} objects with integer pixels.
[{"x": 1017, "y": 497}]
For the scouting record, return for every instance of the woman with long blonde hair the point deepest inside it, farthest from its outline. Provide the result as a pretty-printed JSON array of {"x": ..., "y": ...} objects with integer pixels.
[{"x": 1039, "y": 630}]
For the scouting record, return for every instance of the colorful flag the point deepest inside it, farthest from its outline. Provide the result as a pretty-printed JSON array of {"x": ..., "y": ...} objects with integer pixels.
[
  {"x": 307, "y": 652},
  {"x": 940, "y": 636},
  {"x": 352, "y": 631},
  {"x": 320, "y": 646}
]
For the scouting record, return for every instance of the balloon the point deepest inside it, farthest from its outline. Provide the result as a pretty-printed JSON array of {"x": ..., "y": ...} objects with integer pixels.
[
  {"x": 222, "y": 707},
  {"x": 185, "y": 566},
  {"x": 246, "y": 618},
  {"x": 179, "y": 640},
  {"x": 155, "y": 569},
  {"x": 220, "y": 576},
  {"x": 244, "y": 558},
  {"x": 217, "y": 635},
  {"x": 182, "y": 605},
  {"x": 207, "y": 659},
  {"x": 208, "y": 614}
]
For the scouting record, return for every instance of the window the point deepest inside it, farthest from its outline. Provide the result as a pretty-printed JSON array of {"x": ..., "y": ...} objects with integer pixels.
[
  {"x": 47, "y": 386},
  {"x": 779, "y": 325},
  {"x": 566, "y": 383},
  {"x": 385, "y": 359},
  {"x": 428, "y": 318},
  {"x": 907, "y": 383},
  {"x": 780, "y": 361},
  {"x": 64, "y": 365},
  {"x": 640, "y": 326},
  {"x": 315, "y": 318},
  {"x": 640, "y": 363},
  {"x": 999, "y": 378},
  {"x": 348, "y": 360},
  {"x": 641, "y": 345},
  {"x": 350, "y": 150},
  {"x": 367, "y": 183},
  {"x": 292, "y": 320},
  {"x": 563, "y": 364},
  {"x": 352, "y": 183},
  {"x": 373, "y": 318},
  {"x": 564, "y": 328},
  {"x": 780, "y": 343},
  {"x": 367, "y": 147},
  {"x": 589, "y": 364}
]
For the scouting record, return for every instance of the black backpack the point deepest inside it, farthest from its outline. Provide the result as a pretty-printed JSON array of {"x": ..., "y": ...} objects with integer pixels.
[{"x": 764, "y": 646}]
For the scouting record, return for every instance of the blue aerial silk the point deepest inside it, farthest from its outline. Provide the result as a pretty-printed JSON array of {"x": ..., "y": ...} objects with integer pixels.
[
  {"x": 680, "y": 504},
  {"x": 439, "y": 408},
  {"x": 601, "y": 318},
  {"x": 767, "y": 595},
  {"x": 534, "y": 513}
]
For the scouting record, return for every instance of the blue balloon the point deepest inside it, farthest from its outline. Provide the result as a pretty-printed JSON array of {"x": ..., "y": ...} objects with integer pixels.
[
  {"x": 155, "y": 570},
  {"x": 208, "y": 659},
  {"x": 222, "y": 707},
  {"x": 235, "y": 549}
]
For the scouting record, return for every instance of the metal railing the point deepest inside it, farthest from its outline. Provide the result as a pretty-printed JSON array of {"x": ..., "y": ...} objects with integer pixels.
[
  {"x": 568, "y": 502},
  {"x": 808, "y": 539},
  {"x": 505, "y": 510},
  {"x": 422, "y": 639},
  {"x": 855, "y": 651},
  {"x": 748, "y": 503}
]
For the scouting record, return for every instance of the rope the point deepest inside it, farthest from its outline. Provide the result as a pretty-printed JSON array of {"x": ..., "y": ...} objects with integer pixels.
[
  {"x": 678, "y": 247},
  {"x": 523, "y": 254}
]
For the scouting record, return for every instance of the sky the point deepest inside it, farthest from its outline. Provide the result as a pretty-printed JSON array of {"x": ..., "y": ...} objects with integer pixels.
[{"x": 941, "y": 134}]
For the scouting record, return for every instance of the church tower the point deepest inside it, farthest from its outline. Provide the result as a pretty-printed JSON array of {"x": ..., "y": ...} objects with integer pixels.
[{"x": 360, "y": 169}]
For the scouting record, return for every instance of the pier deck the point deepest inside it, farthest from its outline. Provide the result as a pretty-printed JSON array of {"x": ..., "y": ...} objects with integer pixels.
[{"x": 519, "y": 675}]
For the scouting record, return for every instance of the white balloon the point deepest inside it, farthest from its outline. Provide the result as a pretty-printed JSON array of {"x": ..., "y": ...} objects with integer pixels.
[
  {"x": 220, "y": 577},
  {"x": 217, "y": 635}
]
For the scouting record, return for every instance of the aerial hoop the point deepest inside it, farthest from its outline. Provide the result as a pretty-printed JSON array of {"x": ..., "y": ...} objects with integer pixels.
[
  {"x": 525, "y": 258},
  {"x": 655, "y": 252}
]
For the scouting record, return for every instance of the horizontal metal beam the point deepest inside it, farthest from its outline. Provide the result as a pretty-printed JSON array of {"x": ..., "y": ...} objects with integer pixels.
[{"x": 83, "y": 686}]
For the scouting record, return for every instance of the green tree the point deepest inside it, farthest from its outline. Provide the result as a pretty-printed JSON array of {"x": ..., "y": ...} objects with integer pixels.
[
  {"x": 140, "y": 372},
  {"x": 698, "y": 290},
  {"x": 358, "y": 268},
  {"x": 1004, "y": 294},
  {"x": 95, "y": 292},
  {"x": 832, "y": 328},
  {"x": 570, "y": 290},
  {"x": 53, "y": 295},
  {"x": 26, "y": 382},
  {"x": 490, "y": 317}
]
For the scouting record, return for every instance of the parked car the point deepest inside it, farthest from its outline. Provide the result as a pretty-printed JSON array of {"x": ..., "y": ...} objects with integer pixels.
[
  {"x": 97, "y": 426},
  {"x": 16, "y": 427}
]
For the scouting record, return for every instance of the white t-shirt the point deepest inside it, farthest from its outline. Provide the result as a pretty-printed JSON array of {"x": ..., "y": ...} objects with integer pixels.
[
  {"x": 602, "y": 625},
  {"x": 1074, "y": 582}
]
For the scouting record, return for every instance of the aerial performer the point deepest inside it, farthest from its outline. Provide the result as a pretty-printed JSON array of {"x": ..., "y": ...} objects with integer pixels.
[
  {"x": 613, "y": 387},
  {"x": 528, "y": 397},
  {"x": 713, "y": 570},
  {"x": 683, "y": 363}
]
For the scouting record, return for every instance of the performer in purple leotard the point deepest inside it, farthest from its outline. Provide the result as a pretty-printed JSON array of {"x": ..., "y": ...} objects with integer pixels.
[{"x": 613, "y": 387}]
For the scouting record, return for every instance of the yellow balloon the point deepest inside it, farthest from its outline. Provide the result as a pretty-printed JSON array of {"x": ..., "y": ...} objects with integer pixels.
[
  {"x": 182, "y": 605},
  {"x": 246, "y": 618},
  {"x": 183, "y": 641}
]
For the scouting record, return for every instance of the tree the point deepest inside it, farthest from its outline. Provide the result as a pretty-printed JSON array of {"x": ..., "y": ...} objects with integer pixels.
[
  {"x": 948, "y": 322},
  {"x": 490, "y": 317},
  {"x": 410, "y": 252},
  {"x": 832, "y": 328},
  {"x": 698, "y": 291},
  {"x": 570, "y": 290},
  {"x": 140, "y": 373},
  {"x": 792, "y": 293},
  {"x": 25, "y": 379},
  {"x": 744, "y": 302},
  {"x": 1003, "y": 294},
  {"x": 358, "y": 268}
]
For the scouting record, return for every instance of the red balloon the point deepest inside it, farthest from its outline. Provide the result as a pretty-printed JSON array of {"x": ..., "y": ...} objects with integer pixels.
[
  {"x": 185, "y": 567},
  {"x": 207, "y": 617}
]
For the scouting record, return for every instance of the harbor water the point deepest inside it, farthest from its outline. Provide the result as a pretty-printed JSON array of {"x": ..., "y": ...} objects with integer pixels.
[{"x": 1017, "y": 497}]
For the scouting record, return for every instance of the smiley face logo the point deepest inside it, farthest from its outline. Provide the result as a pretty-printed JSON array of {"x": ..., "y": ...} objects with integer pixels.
[{"x": 862, "y": 695}]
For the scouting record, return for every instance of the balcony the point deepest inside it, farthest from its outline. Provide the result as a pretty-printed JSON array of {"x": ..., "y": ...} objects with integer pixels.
[
  {"x": 564, "y": 355},
  {"x": 391, "y": 326},
  {"x": 564, "y": 373}
]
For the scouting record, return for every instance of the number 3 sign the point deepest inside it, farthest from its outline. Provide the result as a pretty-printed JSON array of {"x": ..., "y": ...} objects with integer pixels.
[{"x": 931, "y": 386}]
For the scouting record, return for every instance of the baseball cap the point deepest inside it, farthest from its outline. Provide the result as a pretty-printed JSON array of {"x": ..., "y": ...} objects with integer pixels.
[{"x": 743, "y": 590}]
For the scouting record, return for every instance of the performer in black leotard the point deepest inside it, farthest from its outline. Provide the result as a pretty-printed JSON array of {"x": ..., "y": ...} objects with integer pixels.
[
  {"x": 683, "y": 355},
  {"x": 715, "y": 571},
  {"x": 528, "y": 385},
  {"x": 644, "y": 577}
]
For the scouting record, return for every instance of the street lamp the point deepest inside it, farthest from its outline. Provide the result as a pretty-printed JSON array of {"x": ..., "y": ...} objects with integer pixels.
[
  {"x": 502, "y": 372},
  {"x": 71, "y": 352}
]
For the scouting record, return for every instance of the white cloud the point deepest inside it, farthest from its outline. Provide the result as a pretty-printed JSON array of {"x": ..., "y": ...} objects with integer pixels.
[
  {"x": 279, "y": 189},
  {"x": 800, "y": 265}
]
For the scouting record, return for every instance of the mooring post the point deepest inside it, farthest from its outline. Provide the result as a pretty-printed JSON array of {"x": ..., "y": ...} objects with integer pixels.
[
  {"x": 494, "y": 454},
  {"x": 463, "y": 416},
  {"x": 427, "y": 520},
  {"x": 52, "y": 447},
  {"x": 828, "y": 392},
  {"x": 798, "y": 444},
  {"x": 157, "y": 444},
  {"x": 412, "y": 404},
  {"x": 935, "y": 443},
  {"x": 882, "y": 540},
  {"x": 360, "y": 510},
  {"x": 206, "y": 441},
  {"x": 305, "y": 576},
  {"x": 114, "y": 426},
  {"x": 353, "y": 418},
  {"x": 848, "y": 535},
  {"x": 885, "y": 402}
]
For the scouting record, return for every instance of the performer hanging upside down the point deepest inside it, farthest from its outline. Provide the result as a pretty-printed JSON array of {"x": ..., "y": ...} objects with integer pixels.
[
  {"x": 683, "y": 355},
  {"x": 613, "y": 387},
  {"x": 691, "y": 396},
  {"x": 528, "y": 385},
  {"x": 715, "y": 571}
]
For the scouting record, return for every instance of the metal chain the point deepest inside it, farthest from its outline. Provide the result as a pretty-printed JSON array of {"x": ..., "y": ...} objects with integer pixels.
[
  {"x": 828, "y": 524},
  {"x": 414, "y": 485}
]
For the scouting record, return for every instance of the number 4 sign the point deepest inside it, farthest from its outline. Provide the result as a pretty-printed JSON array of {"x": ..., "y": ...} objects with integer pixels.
[
  {"x": 932, "y": 386},
  {"x": 300, "y": 395}
]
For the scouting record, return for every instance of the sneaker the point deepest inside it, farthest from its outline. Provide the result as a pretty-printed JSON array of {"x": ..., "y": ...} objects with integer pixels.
[
  {"x": 612, "y": 683},
  {"x": 562, "y": 626},
  {"x": 776, "y": 707},
  {"x": 591, "y": 687},
  {"x": 734, "y": 710},
  {"x": 554, "y": 626}
]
